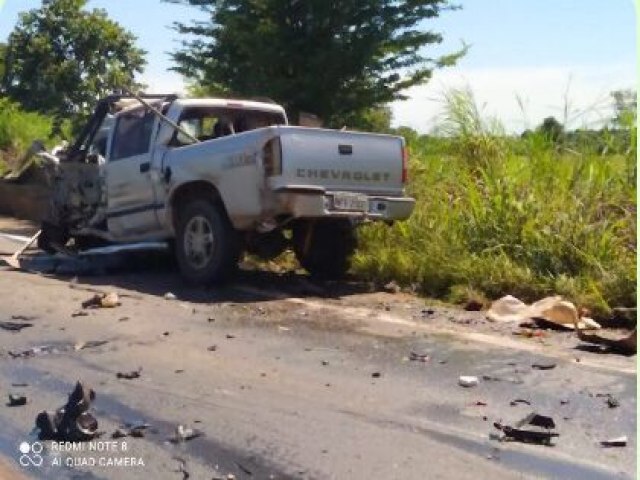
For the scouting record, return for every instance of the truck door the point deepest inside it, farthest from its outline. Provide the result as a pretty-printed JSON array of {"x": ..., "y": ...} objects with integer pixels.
[{"x": 131, "y": 200}]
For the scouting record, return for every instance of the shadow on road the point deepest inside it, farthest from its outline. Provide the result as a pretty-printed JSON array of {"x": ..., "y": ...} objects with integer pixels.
[{"x": 156, "y": 274}]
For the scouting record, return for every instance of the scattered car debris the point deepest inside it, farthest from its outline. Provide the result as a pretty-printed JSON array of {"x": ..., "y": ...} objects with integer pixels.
[
  {"x": 626, "y": 345},
  {"x": 543, "y": 366},
  {"x": 554, "y": 310},
  {"x": 123, "y": 319},
  {"x": 24, "y": 318},
  {"x": 468, "y": 381},
  {"x": 427, "y": 311},
  {"x": 182, "y": 468},
  {"x": 229, "y": 336},
  {"x": 16, "y": 400},
  {"x": 612, "y": 401},
  {"x": 170, "y": 296},
  {"x": 130, "y": 375},
  {"x": 542, "y": 434},
  {"x": 518, "y": 401},
  {"x": 615, "y": 442},
  {"x": 376, "y": 375},
  {"x": 419, "y": 357},
  {"x": 184, "y": 434},
  {"x": 135, "y": 431},
  {"x": 212, "y": 348},
  {"x": 72, "y": 422},
  {"x": 21, "y": 385},
  {"x": 480, "y": 403},
  {"x": 102, "y": 300},
  {"x": 89, "y": 344},
  {"x": 79, "y": 313},
  {"x": 14, "y": 326}
]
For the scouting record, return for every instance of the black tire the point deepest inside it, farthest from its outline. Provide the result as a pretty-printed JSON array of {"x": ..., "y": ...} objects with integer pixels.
[
  {"x": 324, "y": 247},
  {"x": 51, "y": 234},
  {"x": 200, "y": 261}
]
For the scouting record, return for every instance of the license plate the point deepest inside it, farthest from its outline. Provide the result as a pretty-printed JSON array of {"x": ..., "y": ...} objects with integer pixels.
[{"x": 351, "y": 202}]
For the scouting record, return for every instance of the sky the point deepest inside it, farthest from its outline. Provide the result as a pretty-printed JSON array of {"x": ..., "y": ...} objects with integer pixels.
[{"x": 528, "y": 59}]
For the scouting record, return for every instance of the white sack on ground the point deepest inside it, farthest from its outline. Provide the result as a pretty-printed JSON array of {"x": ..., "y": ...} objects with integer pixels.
[{"x": 552, "y": 309}]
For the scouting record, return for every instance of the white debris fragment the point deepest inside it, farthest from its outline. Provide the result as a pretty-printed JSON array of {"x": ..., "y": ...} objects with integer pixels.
[{"x": 468, "y": 381}]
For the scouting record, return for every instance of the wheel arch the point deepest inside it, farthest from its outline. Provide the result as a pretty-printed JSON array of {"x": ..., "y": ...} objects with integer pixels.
[{"x": 189, "y": 191}]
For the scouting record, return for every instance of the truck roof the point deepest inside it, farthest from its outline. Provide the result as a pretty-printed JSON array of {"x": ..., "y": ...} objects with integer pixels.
[{"x": 229, "y": 103}]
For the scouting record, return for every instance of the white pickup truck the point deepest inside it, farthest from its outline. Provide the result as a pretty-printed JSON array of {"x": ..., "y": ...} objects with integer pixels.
[{"x": 217, "y": 178}]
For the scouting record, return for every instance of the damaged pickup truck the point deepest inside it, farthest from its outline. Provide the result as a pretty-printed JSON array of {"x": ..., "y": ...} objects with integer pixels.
[{"x": 216, "y": 178}]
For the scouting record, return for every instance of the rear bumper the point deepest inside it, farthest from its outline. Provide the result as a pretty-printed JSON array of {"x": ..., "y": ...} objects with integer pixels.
[{"x": 314, "y": 205}]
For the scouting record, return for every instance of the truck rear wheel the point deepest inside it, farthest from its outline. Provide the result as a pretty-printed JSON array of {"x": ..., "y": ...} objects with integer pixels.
[
  {"x": 324, "y": 247},
  {"x": 50, "y": 236},
  {"x": 206, "y": 246}
]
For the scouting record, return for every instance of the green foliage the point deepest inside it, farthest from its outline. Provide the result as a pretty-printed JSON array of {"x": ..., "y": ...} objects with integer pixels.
[
  {"x": 337, "y": 60},
  {"x": 498, "y": 215},
  {"x": 3, "y": 52},
  {"x": 18, "y": 129},
  {"x": 626, "y": 108},
  {"x": 61, "y": 58},
  {"x": 551, "y": 129}
]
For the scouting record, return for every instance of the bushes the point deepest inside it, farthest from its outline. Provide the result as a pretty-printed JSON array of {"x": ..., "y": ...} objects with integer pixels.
[
  {"x": 18, "y": 129},
  {"x": 493, "y": 220}
]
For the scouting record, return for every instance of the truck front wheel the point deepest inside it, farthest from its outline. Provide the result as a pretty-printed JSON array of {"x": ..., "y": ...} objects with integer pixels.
[
  {"x": 206, "y": 245},
  {"x": 324, "y": 246}
]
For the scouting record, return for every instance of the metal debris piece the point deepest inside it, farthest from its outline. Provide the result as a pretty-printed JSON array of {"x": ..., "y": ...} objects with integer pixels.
[
  {"x": 542, "y": 434},
  {"x": 169, "y": 296},
  {"x": 14, "y": 326},
  {"x": 79, "y": 313},
  {"x": 615, "y": 442},
  {"x": 468, "y": 381},
  {"x": 16, "y": 400},
  {"x": 517, "y": 401},
  {"x": 376, "y": 374},
  {"x": 212, "y": 348},
  {"x": 626, "y": 345},
  {"x": 89, "y": 344},
  {"x": 129, "y": 375}
]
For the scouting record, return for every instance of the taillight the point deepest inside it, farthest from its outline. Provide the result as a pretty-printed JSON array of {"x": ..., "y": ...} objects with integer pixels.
[
  {"x": 272, "y": 157},
  {"x": 405, "y": 163}
]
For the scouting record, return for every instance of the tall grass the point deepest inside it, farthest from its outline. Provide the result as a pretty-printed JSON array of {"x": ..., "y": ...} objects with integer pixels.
[
  {"x": 497, "y": 215},
  {"x": 18, "y": 129}
]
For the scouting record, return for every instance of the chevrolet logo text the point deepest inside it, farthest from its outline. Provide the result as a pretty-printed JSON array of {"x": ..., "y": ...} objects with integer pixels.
[{"x": 357, "y": 176}]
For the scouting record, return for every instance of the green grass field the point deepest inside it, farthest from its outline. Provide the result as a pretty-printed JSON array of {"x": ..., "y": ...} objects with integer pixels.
[{"x": 497, "y": 215}]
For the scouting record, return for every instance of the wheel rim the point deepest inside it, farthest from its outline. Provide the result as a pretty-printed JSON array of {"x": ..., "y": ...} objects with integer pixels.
[{"x": 198, "y": 242}]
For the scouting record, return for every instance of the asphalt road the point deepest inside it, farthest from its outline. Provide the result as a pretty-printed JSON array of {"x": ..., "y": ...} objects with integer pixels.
[{"x": 305, "y": 381}]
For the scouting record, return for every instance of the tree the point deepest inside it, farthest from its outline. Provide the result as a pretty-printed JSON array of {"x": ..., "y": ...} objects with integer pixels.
[
  {"x": 3, "y": 53},
  {"x": 625, "y": 106},
  {"x": 551, "y": 128},
  {"x": 61, "y": 58},
  {"x": 334, "y": 58}
]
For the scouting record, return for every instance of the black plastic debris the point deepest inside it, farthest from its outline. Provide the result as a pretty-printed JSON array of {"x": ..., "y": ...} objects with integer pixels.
[
  {"x": 129, "y": 375},
  {"x": 615, "y": 442},
  {"x": 135, "y": 431},
  {"x": 16, "y": 400},
  {"x": 612, "y": 402},
  {"x": 517, "y": 401},
  {"x": 543, "y": 366},
  {"x": 73, "y": 422},
  {"x": 376, "y": 375},
  {"x": 14, "y": 326},
  {"x": 534, "y": 428}
]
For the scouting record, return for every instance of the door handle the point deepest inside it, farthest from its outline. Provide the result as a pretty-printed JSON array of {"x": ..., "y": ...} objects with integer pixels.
[{"x": 145, "y": 167}]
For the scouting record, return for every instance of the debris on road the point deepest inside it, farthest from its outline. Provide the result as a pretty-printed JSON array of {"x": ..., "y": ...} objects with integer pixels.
[
  {"x": 542, "y": 434},
  {"x": 129, "y": 375},
  {"x": 553, "y": 310},
  {"x": 468, "y": 381},
  {"x": 615, "y": 442},
  {"x": 72, "y": 422},
  {"x": 102, "y": 300},
  {"x": 626, "y": 345},
  {"x": 14, "y": 326},
  {"x": 16, "y": 400},
  {"x": 419, "y": 357},
  {"x": 25, "y": 318},
  {"x": 89, "y": 344},
  {"x": 517, "y": 401},
  {"x": 79, "y": 313},
  {"x": 184, "y": 434},
  {"x": 212, "y": 348},
  {"x": 135, "y": 431},
  {"x": 543, "y": 366},
  {"x": 376, "y": 374},
  {"x": 170, "y": 296},
  {"x": 612, "y": 402}
]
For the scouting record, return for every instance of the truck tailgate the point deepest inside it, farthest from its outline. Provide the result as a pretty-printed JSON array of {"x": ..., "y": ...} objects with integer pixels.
[{"x": 341, "y": 161}]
